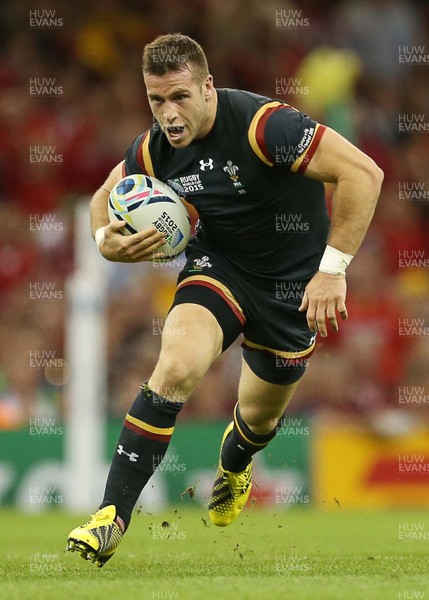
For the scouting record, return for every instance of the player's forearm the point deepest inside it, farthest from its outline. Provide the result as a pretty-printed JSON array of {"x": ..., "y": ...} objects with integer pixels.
[
  {"x": 98, "y": 206},
  {"x": 98, "y": 210},
  {"x": 353, "y": 208},
  {"x": 358, "y": 181}
]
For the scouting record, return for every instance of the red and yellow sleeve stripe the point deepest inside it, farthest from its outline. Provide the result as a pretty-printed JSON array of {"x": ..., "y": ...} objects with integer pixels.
[
  {"x": 256, "y": 133},
  {"x": 143, "y": 158},
  {"x": 301, "y": 163},
  {"x": 143, "y": 155}
]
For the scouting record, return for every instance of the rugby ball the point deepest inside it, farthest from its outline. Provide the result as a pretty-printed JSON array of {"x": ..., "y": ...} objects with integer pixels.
[{"x": 143, "y": 201}]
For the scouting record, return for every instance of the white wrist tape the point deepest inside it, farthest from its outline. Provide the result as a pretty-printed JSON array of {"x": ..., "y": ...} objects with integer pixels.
[
  {"x": 99, "y": 236},
  {"x": 334, "y": 261}
]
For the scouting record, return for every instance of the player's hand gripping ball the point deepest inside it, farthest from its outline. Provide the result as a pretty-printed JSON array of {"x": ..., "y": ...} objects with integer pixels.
[{"x": 142, "y": 201}]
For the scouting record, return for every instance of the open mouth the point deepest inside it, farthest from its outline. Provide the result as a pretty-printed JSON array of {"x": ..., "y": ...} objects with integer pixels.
[{"x": 175, "y": 131}]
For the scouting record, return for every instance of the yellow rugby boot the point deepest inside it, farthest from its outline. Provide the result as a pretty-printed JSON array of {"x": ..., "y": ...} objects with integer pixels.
[
  {"x": 98, "y": 539},
  {"x": 230, "y": 491}
]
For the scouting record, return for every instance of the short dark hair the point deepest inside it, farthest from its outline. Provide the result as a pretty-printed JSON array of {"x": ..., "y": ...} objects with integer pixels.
[{"x": 174, "y": 52}]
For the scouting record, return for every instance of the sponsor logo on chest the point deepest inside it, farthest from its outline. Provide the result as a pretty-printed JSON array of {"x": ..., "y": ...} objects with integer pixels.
[{"x": 209, "y": 175}]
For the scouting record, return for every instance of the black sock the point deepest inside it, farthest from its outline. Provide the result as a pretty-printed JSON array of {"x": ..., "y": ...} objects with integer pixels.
[
  {"x": 142, "y": 445},
  {"x": 242, "y": 443}
]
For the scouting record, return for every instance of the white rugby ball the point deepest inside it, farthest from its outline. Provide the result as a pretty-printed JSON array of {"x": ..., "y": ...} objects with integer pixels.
[{"x": 143, "y": 201}]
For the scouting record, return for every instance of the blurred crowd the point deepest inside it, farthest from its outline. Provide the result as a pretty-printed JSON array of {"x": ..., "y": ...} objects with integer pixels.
[{"x": 72, "y": 99}]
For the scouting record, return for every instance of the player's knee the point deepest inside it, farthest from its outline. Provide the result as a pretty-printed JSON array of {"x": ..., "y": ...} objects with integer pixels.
[
  {"x": 259, "y": 420},
  {"x": 175, "y": 378}
]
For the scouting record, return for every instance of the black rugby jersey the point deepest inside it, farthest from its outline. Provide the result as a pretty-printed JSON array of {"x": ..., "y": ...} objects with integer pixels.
[{"x": 256, "y": 209}]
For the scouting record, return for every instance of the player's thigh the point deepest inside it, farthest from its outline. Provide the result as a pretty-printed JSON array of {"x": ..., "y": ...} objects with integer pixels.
[
  {"x": 262, "y": 403},
  {"x": 191, "y": 341}
]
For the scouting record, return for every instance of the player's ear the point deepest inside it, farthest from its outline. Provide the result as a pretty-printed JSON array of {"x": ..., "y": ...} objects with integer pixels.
[{"x": 208, "y": 87}]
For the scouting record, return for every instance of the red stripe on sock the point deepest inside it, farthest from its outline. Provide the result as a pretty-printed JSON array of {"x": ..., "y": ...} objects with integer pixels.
[{"x": 147, "y": 434}]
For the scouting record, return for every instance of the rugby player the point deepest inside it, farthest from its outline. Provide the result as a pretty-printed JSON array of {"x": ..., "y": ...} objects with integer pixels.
[{"x": 253, "y": 167}]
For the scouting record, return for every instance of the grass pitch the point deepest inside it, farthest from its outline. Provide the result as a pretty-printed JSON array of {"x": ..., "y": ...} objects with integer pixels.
[{"x": 299, "y": 553}]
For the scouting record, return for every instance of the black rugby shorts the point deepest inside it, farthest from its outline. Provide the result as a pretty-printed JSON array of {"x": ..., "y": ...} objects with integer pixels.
[{"x": 277, "y": 341}]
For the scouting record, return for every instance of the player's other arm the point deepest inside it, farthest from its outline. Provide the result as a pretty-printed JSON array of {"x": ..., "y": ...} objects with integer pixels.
[
  {"x": 112, "y": 244},
  {"x": 358, "y": 181}
]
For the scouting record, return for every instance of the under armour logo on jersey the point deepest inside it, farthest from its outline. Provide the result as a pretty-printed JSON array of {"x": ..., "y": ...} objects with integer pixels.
[{"x": 206, "y": 165}]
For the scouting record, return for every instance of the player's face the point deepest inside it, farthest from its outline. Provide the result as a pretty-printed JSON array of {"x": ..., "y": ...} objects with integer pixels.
[{"x": 184, "y": 107}]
